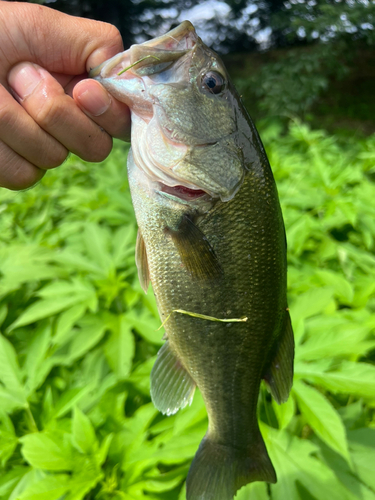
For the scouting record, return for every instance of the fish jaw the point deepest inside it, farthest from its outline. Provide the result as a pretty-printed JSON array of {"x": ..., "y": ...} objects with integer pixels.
[
  {"x": 160, "y": 81},
  {"x": 122, "y": 74}
]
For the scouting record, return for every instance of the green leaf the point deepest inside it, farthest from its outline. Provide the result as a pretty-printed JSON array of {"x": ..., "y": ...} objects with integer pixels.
[
  {"x": 36, "y": 353},
  {"x": 294, "y": 463},
  {"x": 69, "y": 399},
  {"x": 156, "y": 482},
  {"x": 284, "y": 412},
  {"x": 10, "y": 373},
  {"x": 310, "y": 303},
  {"x": 120, "y": 348},
  {"x": 9, "y": 480},
  {"x": 343, "y": 289},
  {"x": 344, "y": 339},
  {"x": 49, "y": 488},
  {"x": 322, "y": 417},
  {"x": 8, "y": 439},
  {"x": 351, "y": 378},
  {"x": 253, "y": 491},
  {"x": 92, "y": 330},
  {"x": 146, "y": 325},
  {"x": 84, "y": 438},
  {"x": 362, "y": 445},
  {"x": 48, "y": 307},
  {"x": 65, "y": 323},
  {"x": 3, "y": 313},
  {"x": 95, "y": 239},
  {"x": 48, "y": 451}
]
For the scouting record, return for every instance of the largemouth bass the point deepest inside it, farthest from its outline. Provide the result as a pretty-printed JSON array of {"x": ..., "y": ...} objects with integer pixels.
[{"x": 211, "y": 240}]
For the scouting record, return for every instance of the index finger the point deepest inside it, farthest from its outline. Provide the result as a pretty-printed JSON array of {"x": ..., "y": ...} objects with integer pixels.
[{"x": 56, "y": 41}]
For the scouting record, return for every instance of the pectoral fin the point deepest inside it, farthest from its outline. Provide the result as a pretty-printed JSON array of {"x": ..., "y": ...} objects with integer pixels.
[
  {"x": 172, "y": 387},
  {"x": 279, "y": 375},
  {"x": 195, "y": 251},
  {"x": 141, "y": 261}
]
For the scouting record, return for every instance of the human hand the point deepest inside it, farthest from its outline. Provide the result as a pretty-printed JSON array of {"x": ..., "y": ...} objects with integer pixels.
[{"x": 44, "y": 59}]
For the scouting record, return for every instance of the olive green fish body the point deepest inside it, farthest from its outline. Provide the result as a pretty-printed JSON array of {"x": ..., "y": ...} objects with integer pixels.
[{"x": 212, "y": 242}]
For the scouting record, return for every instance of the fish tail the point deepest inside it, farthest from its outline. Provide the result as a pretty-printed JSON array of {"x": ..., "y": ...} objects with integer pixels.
[{"x": 218, "y": 471}]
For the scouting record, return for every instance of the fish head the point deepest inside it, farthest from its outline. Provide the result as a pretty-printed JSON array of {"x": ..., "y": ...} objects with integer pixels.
[{"x": 184, "y": 114}]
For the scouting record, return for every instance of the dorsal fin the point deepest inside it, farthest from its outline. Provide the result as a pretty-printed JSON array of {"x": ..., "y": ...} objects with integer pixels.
[
  {"x": 195, "y": 251},
  {"x": 142, "y": 263}
]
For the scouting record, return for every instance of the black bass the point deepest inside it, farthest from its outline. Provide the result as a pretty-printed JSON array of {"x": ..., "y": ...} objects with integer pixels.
[{"x": 212, "y": 242}]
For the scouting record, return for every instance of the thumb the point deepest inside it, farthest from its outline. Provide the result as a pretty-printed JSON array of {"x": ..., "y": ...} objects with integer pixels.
[{"x": 56, "y": 41}]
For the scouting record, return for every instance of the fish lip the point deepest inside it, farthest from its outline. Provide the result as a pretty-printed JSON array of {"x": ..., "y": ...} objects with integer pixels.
[{"x": 176, "y": 42}]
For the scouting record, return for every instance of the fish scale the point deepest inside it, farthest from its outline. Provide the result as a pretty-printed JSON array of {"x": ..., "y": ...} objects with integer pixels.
[{"x": 212, "y": 242}]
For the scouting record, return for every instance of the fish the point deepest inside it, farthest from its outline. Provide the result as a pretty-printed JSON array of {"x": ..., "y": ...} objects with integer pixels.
[{"x": 211, "y": 240}]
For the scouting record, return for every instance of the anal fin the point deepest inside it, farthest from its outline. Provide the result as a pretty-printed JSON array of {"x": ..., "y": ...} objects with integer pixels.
[
  {"x": 279, "y": 374},
  {"x": 172, "y": 387},
  {"x": 142, "y": 263},
  {"x": 195, "y": 251}
]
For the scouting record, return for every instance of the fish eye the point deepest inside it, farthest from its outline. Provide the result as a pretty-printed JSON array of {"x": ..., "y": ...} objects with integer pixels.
[{"x": 212, "y": 82}]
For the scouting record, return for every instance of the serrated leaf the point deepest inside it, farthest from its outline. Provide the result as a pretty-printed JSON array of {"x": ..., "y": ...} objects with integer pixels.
[
  {"x": 47, "y": 451},
  {"x": 69, "y": 399},
  {"x": 48, "y": 307},
  {"x": 84, "y": 438},
  {"x": 9, "y": 480},
  {"x": 10, "y": 373},
  {"x": 362, "y": 445},
  {"x": 36, "y": 353},
  {"x": 322, "y": 417},
  {"x": 50, "y": 487},
  {"x": 350, "y": 378},
  {"x": 146, "y": 325},
  {"x": 284, "y": 412},
  {"x": 120, "y": 348},
  {"x": 95, "y": 238},
  {"x": 310, "y": 303},
  {"x": 8, "y": 439},
  {"x": 253, "y": 491},
  {"x": 293, "y": 461},
  {"x": 92, "y": 330},
  {"x": 65, "y": 322}
]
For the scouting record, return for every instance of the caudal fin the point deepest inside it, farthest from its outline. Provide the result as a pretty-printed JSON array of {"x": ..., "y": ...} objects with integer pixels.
[{"x": 218, "y": 471}]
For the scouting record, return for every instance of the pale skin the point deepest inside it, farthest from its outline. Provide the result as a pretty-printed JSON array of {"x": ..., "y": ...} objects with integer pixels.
[{"x": 47, "y": 105}]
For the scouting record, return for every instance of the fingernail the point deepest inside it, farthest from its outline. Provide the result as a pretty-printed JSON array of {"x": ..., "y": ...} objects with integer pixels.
[
  {"x": 23, "y": 79},
  {"x": 94, "y": 100}
]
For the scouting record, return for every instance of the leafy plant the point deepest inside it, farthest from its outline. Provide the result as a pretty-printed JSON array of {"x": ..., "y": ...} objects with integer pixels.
[{"x": 79, "y": 337}]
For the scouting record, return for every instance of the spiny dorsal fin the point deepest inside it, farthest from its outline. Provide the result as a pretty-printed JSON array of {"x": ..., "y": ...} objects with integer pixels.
[
  {"x": 195, "y": 251},
  {"x": 279, "y": 375},
  {"x": 172, "y": 387},
  {"x": 141, "y": 261}
]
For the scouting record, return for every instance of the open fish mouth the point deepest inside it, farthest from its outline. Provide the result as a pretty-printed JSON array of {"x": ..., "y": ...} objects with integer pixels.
[{"x": 184, "y": 193}]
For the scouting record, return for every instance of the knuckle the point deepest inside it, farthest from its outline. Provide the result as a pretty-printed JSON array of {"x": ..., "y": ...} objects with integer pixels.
[
  {"x": 50, "y": 113},
  {"x": 6, "y": 114},
  {"x": 112, "y": 33}
]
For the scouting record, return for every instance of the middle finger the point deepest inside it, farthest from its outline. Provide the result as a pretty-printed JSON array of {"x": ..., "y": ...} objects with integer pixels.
[{"x": 45, "y": 101}]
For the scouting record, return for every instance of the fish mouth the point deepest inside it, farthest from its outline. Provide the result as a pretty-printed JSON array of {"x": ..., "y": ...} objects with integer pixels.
[
  {"x": 183, "y": 193},
  {"x": 151, "y": 56}
]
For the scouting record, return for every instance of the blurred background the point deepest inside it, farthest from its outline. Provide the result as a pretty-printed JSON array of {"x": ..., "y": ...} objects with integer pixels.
[
  {"x": 306, "y": 58},
  {"x": 79, "y": 336}
]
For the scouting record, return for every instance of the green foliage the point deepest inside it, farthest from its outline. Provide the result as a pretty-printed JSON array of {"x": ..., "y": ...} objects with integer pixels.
[
  {"x": 79, "y": 337},
  {"x": 292, "y": 84}
]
